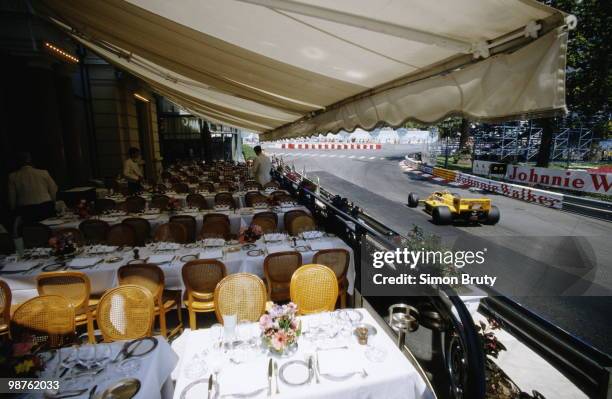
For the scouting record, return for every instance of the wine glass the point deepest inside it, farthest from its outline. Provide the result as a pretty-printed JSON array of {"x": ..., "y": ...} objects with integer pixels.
[{"x": 86, "y": 356}]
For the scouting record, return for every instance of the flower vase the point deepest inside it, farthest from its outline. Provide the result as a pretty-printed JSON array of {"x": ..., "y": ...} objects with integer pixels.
[{"x": 286, "y": 352}]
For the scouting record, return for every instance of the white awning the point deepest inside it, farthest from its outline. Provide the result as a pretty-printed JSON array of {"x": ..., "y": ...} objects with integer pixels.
[{"x": 291, "y": 68}]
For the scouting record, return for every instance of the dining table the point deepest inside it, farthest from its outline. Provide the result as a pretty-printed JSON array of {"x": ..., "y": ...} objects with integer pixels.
[
  {"x": 328, "y": 362},
  {"x": 100, "y": 263}
]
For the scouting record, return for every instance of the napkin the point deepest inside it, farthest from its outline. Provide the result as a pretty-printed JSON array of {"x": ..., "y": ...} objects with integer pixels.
[
  {"x": 159, "y": 259},
  {"x": 244, "y": 378},
  {"x": 83, "y": 262},
  {"x": 319, "y": 245},
  {"x": 276, "y": 247},
  {"x": 339, "y": 361},
  {"x": 213, "y": 253}
]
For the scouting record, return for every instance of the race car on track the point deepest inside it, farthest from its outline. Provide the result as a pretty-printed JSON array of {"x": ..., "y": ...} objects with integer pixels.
[{"x": 445, "y": 207}]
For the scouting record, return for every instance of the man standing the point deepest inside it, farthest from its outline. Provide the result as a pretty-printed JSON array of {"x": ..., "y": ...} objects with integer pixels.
[
  {"x": 261, "y": 166},
  {"x": 31, "y": 191},
  {"x": 132, "y": 171}
]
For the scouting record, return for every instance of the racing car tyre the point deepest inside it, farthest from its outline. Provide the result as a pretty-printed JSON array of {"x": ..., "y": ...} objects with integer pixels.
[
  {"x": 442, "y": 215},
  {"x": 493, "y": 215},
  {"x": 413, "y": 200}
]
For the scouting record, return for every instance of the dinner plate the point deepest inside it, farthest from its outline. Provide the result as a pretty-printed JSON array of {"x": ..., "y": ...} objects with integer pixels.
[
  {"x": 192, "y": 385},
  {"x": 53, "y": 222},
  {"x": 189, "y": 257},
  {"x": 53, "y": 267},
  {"x": 255, "y": 252},
  {"x": 301, "y": 248},
  {"x": 295, "y": 373},
  {"x": 123, "y": 389},
  {"x": 139, "y": 347}
]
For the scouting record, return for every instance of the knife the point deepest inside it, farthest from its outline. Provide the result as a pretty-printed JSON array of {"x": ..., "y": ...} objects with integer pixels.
[
  {"x": 270, "y": 371},
  {"x": 276, "y": 377},
  {"x": 310, "y": 369},
  {"x": 210, "y": 386}
]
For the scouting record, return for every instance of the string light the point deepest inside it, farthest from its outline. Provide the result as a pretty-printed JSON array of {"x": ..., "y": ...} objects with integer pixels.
[
  {"x": 60, "y": 52},
  {"x": 141, "y": 98}
]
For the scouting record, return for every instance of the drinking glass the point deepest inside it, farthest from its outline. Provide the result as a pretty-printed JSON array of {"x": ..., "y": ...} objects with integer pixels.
[{"x": 86, "y": 356}]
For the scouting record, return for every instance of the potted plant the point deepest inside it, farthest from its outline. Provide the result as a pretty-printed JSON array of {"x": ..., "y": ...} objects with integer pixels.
[{"x": 280, "y": 329}]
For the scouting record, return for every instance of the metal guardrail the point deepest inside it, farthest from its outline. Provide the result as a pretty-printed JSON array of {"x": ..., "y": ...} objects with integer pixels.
[{"x": 588, "y": 207}]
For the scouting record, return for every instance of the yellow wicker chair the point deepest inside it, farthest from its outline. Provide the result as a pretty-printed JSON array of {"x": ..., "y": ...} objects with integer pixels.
[
  {"x": 151, "y": 277},
  {"x": 74, "y": 286},
  {"x": 126, "y": 312},
  {"x": 314, "y": 289},
  {"x": 200, "y": 278},
  {"x": 278, "y": 269},
  {"x": 48, "y": 318},
  {"x": 242, "y": 294},
  {"x": 300, "y": 224},
  {"x": 5, "y": 307},
  {"x": 336, "y": 259}
]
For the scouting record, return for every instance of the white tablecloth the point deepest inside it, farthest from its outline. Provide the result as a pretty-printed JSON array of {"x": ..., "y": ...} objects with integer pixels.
[
  {"x": 394, "y": 377},
  {"x": 153, "y": 374},
  {"x": 104, "y": 275}
]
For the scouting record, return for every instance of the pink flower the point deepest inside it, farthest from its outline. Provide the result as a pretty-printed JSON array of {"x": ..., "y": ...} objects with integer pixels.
[
  {"x": 279, "y": 340},
  {"x": 265, "y": 322}
]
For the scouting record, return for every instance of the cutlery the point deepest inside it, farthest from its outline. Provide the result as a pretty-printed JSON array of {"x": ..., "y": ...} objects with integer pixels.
[
  {"x": 210, "y": 386},
  {"x": 92, "y": 391},
  {"x": 316, "y": 368},
  {"x": 364, "y": 373},
  {"x": 276, "y": 376},
  {"x": 270, "y": 372},
  {"x": 244, "y": 395},
  {"x": 331, "y": 348},
  {"x": 66, "y": 394}
]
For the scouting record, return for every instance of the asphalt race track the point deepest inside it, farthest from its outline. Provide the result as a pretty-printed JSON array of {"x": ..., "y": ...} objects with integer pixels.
[{"x": 555, "y": 263}]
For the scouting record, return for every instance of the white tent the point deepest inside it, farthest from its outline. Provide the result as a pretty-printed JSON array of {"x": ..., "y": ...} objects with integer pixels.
[
  {"x": 291, "y": 68},
  {"x": 360, "y": 136},
  {"x": 387, "y": 135}
]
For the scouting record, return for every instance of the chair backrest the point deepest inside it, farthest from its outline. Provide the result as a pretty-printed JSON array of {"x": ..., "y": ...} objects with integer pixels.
[
  {"x": 314, "y": 288},
  {"x": 94, "y": 231},
  {"x": 160, "y": 202},
  {"x": 104, "y": 204},
  {"x": 135, "y": 204},
  {"x": 215, "y": 225},
  {"x": 77, "y": 236},
  {"x": 279, "y": 194},
  {"x": 73, "y": 285},
  {"x": 146, "y": 275},
  {"x": 35, "y": 235},
  {"x": 5, "y": 302},
  {"x": 125, "y": 312},
  {"x": 201, "y": 277},
  {"x": 289, "y": 216},
  {"x": 49, "y": 319},
  {"x": 278, "y": 269},
  {"x": 206, "y": 185},
  {"x": 121, "y": 235},
  {"x": 240, "y": 294},
  {"x": 266, "y": 220},
  {"x": 142, "y": 229},
  {"x": 196, "y": 200},
  {"x": 271, "y": 183},
  {"x": 226, "y": 185},
  {"x": 189, "y": 223},
  {"x": 300, "y": 224},
  {"x": 252, "y": 185},
  {"x": 225, "y": 199},
  {"x": 336, "y": 259},
  {"x": 181, "y": 188},
  {"x": 171, "y": 232},
  {"x": 254, "y": 197}
]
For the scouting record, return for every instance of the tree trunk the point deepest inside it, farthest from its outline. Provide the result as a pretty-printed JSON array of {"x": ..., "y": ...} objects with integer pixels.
[
  {"x": 465, "y": 134},
  {"x": 545, "y": 143}
]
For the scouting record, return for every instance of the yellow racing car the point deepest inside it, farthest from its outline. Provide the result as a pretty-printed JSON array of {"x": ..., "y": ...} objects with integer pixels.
[{"x": 445, "y": 207}]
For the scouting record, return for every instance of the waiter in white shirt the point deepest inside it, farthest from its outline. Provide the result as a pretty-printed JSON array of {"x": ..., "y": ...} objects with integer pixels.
[
  {"x": 261, "y": 166},
  {"x": 31, "y": 191},
  {"x": 132, "y": 171}
]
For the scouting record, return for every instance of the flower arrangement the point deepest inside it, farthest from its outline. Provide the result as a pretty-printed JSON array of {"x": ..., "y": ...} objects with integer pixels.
[
  {"x": 19, "y": 359},
  {"x": 82, "y": 209},
  {"x": 63, "y": 244},
  {"x": 174, "y": 205},
  {"x": 280, "y": 328},
  {"x": 250, "y": 234}
]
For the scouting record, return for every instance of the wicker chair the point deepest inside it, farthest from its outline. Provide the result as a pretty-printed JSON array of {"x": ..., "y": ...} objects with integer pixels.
[
  {"x": 252, "y": 185},
  {"x": 160, "y": 202},
  {"x": 48, "y": 318},
  {"x": 104, "y": 204},
  {"x": 5, "y": 307},
  {"x": 94, "y": 231},
  {"x": 208, "y": 186},
  {"x": 121, "y": 235},
  {"x": 278, "y": 269},
  {"x": 189, "y": 222},
  {"x": 242, "y": 294},
  {"x": 35, "y": 235},
  {"x": 141, "y": 227},
  {"x": 266, "y": 220},
  {"x": 135, "y": 204},
  {"x": 77, "y": 236},
  {"x": 171, "y": 232},
  {"x": 271, "y": 183},
  {"x": 74, "y": 286},
  {"x": 338, "y": 260},
  {"x": 181, "y": 188},
  {"x": 151, "y": 277},
  {"x": 314, "y": 289},
  {"x": 300, "y": 224},
  {"x": 7, "y": 245},
  {"x": 126, "y": 312},
  {"x": 289, "y": 216},
  {"x": 225, "y": 199},
  {"x": 197, "y": 201},
  {"x": 254, "y": 197},
  {"x": 226, "y": 187},
  {"x": 200, "y": 278},
  {"x": 215, "y": 225}
]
